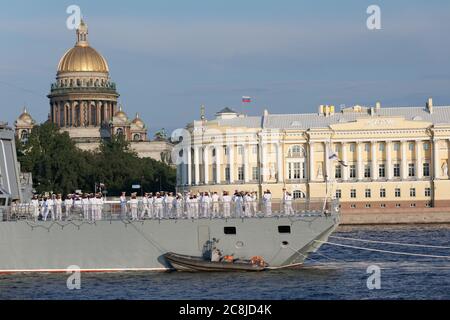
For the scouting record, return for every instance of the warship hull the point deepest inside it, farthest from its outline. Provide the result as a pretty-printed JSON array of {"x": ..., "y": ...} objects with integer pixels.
[{"x": 123, "y": 245}]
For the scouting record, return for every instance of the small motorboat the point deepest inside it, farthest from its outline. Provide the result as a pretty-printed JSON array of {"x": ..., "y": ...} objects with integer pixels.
[{"x": 182, "y": 262}]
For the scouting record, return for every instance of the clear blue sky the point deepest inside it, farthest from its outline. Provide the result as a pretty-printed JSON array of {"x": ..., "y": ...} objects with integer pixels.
[{"x": 168, "y": 57}]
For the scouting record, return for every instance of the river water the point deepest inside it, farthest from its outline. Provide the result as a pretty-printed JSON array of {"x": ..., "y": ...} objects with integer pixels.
[{"x": 331, "y": 273}]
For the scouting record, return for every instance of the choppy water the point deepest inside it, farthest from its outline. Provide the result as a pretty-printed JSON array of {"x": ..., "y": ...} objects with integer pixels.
[{"x": 332, "y": 273}]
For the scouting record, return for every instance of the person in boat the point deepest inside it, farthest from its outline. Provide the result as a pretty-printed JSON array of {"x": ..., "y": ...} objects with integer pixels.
[
  {"x": 216, "y": 255},
  {"x": 267, "y": 201}
]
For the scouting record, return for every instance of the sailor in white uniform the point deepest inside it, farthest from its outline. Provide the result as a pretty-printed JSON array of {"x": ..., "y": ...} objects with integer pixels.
[
  {"x": 248, "y": 205},
  {"x": 254, "y": 203},
  {"x": 195, "y": 207},
  {"x": 168, "y": 204},
  {"x": 178, "y": 203},
  {"x": 85, "y": 206},
  {"x": 133, "y": 203},
  {"x": 68, "y": 204},
  {"x": 205, "y": 204},
  {"x": 238, "y": 202},
  {"x": 145, "y": 209},
  {"x": 226, "y": 202},
  {"x": 51, "y": 207},
  {"x": 35, "y": 208},
  {"x": 44, "y": 208},
  {"x": 267, "y": 201},
  {"x": 58, "y": 207},
  {"x": 123, "y": 206},
  {"x": 288, "y": 210},
  {"x": 158, "y": 206},
  {"x": 215, "y": 204}
]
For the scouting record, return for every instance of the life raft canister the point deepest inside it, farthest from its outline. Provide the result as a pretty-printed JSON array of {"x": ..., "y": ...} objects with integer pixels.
[
  {"x": 259, "y": 261},
  {"x": 228, "y": 258}
]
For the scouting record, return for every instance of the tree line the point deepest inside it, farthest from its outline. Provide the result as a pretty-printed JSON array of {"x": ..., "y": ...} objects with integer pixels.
[{"x": 59, "y": 166}]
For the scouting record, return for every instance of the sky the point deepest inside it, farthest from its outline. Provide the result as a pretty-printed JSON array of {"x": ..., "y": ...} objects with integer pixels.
[{"x": 168, "y": 57}]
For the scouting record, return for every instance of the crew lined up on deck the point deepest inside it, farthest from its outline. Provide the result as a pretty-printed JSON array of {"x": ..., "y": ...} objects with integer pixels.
[{"x": 161, "y": 205}]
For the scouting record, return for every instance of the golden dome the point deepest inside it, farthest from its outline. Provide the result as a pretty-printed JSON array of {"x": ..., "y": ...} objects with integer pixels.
[
  {"x": 82, "y": 57},
  {"x": 25, "y": 117},
  {"x": 121, "y": 115},
  {"x": 138, "y": 122}
]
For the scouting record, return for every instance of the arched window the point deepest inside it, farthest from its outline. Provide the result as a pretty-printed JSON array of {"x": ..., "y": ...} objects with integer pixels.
[
  {"x": 24, "y": 136},
  {"x": 296, "y": 152},
  {"x": 137, "y": 137},
  {"x": 299, "y": 194},
  {"x": 214, "y": 152},
  {"x": 119, "y": 131}
]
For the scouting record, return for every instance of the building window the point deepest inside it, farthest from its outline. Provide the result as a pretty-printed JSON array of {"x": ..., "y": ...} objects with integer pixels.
[
  {"x": 412, "y": 192},
  {"x": 24, "y": 136},
  {"x": 240, "y": 150},
  {"x": 397, "y": 193},
  {"x": 225, "y": 151},
  {"x": 412, "y": 205},
  {"x": 353, "y": 171},
  {"x": 255, "y": 149},
  {"x": 337, "y": 148},
  {"x": 296, "y": 152},
  {"x": 381, "y": 147},
  {"x": 367, "y": 147},
  {"x": 119, "y": 131},
  {"x": 397, "y": 170},
  {"x": 353, "y": 206},
  {"x": 353, "y": 193},
  {"x": 382, "y": 193},
  {"x": 227, "y": 173},
  {"x": 338, "y": 194},
  {"x": 426, "y": 169},
  {"x": 383, "y": 205},
  {"x": 397, "y": 205},
  {"x": 294, "y": 170},
  {"x": 137, "y": 137},
  {"x": 381, "y": 171},
  {"x": 411, "y": 170},
  {"x": 367, "y": 171},
  {"x": 427, "y": 192},
  {"x": 411, "y": 146},
  {"x": 241, "y": 173},
  {"x": 352, "y": 147},
  {"x": 428, "y": 205},
  {"x": 396, "y": 146},
  {"x": 368, "y": 193},
  {"x": 338, "y": 172},
  {"x": 368, "y": 206},
  {"x": 255, "y": 173},
  {"x": 426, "y": 146},
  {"x": 214, "y": 152},
  {"x": 297, "y": 194}
]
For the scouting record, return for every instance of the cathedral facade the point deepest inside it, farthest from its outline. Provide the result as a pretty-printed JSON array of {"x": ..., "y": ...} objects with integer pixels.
[{"x": 84, "y": 103}]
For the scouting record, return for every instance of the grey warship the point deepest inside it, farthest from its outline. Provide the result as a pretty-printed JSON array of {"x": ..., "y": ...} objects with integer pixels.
[{"x": 117, "y": 243}]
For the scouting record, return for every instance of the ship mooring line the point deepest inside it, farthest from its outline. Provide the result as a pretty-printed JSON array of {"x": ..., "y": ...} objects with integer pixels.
[
  {"x": 385, "y": 251},
  {"x": 393, "y": 243}
]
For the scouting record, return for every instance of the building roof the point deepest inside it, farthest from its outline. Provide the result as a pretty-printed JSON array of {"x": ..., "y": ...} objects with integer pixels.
[{"x": 440, "y": 115}]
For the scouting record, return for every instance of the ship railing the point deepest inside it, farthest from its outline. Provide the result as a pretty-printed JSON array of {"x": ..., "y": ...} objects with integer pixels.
[{"x": 113, "y": 210}]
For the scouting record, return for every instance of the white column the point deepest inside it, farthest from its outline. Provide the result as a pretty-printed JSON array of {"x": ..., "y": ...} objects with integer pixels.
[
  {"x": 263, "y": 168},
  {"x": 312, "y": 174},
  {"x": 373, "y": 156},
  {"x": 327, "y": 162},
  {"x": 206, "y": 164},
  {"x": 419, "y": 171},
  {"x": 436, "y": 159},
  {"x": 389, "y": 165},
  {"x": 218, "y": 158},
  {"x": 345, "y": 173},
  {"x": 231, "y": 162},
  {"x": 189, "y": 166},
  {"x": 404, "y": 160},
  {"x": 246, "y": 151},
  {"x": 359, "y": 159},
  {"x": 280, "y": 163},
  {"x": 196, "y": 166}
]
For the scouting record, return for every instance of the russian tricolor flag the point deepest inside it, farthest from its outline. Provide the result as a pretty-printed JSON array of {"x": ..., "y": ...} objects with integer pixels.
[{"x": 246, "y": 99}]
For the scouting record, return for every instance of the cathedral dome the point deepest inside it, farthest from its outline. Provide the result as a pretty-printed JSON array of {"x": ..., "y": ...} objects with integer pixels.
[
  {"x": 25, "y": 118},
  {"x": 121, "y": 115},
  {"x": 138, "y": 122},
  {"x": 82, "y": 57}
]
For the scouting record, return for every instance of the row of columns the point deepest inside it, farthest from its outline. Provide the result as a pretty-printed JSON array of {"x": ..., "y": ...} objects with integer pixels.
[
  {"x": 194, "y": 177},
  {"x": 79, "y": 113},
  {"x": 190, "y": 176}
]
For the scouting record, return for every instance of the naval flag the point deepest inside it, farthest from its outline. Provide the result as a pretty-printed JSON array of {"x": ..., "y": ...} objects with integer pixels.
[
  {"x": 246, "y": 99},
  {"x": 336, "y": 158}
]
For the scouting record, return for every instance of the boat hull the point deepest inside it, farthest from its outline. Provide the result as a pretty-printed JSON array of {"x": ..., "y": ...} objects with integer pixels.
[{"x": 140, "y": 245}]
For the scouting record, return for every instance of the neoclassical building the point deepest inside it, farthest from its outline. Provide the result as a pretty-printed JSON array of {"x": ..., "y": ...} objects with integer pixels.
[
  {"x": 371, "y": 158},
  {"x": 83, "y": 102}
]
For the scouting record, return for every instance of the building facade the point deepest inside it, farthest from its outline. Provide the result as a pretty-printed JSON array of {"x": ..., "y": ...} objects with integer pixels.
[
  {"x": 371, "y": 158},
  {"x": 84, "y": 103}
]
